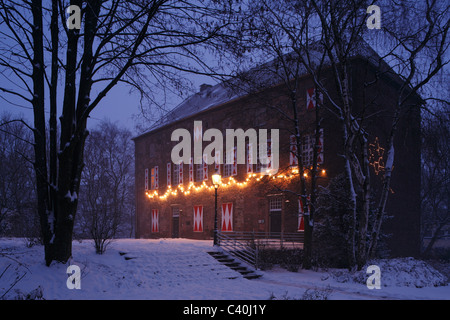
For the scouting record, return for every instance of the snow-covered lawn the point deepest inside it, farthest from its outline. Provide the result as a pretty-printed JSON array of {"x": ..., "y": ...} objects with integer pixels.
[{"x": 182, "y": 269}]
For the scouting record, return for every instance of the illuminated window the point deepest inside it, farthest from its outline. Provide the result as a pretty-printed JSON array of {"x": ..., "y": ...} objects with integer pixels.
[{"x": 154, "y": 183}]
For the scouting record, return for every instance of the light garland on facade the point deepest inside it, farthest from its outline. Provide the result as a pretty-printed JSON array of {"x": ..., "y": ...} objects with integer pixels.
[
  {"x": 225, "y": 183},
  {"x": 376, "y": 155}
]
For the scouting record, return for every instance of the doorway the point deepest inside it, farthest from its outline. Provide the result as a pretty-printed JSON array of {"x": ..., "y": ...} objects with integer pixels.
[
  {"x": 275, "y": 214},
  {"x": 175, "y": 222}
]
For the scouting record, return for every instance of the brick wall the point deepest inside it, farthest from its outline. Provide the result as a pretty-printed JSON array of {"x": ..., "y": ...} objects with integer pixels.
[{"x": 251, "y": 202}]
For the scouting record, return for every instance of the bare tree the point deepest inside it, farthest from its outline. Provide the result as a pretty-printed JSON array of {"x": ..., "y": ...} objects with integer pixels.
[
  {"x": 107, "y": 188},
  {"x": 271, "y": 33},
  {"x": 435, "y": 174},
  {"x": 140, "y": 43},
  {"x": 326, "y": 35},
  {"x": 17, "y": 191},
  {"x": 423, "y": 48},
  {"x": 419, "y": 54}
]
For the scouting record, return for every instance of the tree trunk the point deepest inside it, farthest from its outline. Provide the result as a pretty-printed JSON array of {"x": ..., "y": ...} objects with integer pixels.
[
  {"x": 307, "y": 251},
  {"x": 365, "y": 210},
  {"x": 46, "y": 216},
  {"x": 386, "y": 185}
]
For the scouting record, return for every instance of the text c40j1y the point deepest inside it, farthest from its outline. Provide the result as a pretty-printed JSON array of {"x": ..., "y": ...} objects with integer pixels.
[{"x": 232, "y": 309}]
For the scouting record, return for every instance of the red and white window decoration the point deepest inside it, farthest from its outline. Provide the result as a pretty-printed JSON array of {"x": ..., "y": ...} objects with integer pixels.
[
  {"x": 198, "y": 131},
  {"x": 312, "y": 97},
  {"x": 198, "y": 218},
  {"x": 155, "y": 220},
  {"x": 227, "y": 217},
  {"x": 301, "y": 220},
  {"x": 293, "y": 160},
  {"x": 301, "y": 213}
]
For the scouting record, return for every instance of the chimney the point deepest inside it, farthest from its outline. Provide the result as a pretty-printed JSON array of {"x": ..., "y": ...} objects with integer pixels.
[{"x": 204, "y": 86}]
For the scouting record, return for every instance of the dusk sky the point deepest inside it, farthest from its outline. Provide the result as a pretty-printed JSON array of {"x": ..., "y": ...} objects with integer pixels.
[{"x": 120, "y": 106}]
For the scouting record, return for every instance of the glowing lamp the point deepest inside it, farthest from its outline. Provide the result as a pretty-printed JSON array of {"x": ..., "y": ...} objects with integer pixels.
[{"x": 216, "y": 180}]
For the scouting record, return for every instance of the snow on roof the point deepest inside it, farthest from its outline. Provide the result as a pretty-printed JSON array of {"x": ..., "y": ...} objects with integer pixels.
[{"x": 209, "y": 97}]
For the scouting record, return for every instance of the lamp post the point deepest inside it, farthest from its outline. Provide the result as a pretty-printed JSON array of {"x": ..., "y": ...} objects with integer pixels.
[{"x": 216, "y": 178}]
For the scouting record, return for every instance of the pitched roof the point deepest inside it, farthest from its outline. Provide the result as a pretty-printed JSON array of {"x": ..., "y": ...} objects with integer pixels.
[{"x": 265, "y": 75}]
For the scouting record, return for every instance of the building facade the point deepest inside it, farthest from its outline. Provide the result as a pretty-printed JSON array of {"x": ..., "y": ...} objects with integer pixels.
[{"x": 177, "y": 199}]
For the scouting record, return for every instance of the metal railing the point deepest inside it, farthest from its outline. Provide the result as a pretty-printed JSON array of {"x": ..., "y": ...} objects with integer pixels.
[{"x": 246, "y": 245}]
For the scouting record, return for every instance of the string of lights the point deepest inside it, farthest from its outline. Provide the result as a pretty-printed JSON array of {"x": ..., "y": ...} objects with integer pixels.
[{"x": 225, "y": 183}]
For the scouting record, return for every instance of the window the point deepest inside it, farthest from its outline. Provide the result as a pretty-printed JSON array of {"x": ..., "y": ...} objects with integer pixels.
[
  {"x": 169, "y": 174},
  {"x": 227, "y": 170},
  {"x": 176, "y": 174},
  {"x": 217, "y": 161},
  {"x": 191, "y": 170},
  {"x": 199, "y": 172},
  {"x": 308, "y": 142},
  {"x": 260, "y": 167},
  {"x": 175, "y": 212},
  {"x": 249, "y": 158},
  {"x": 146, "y": 179},
  {"x": 154, "y": 178},
  {"x": 230, "y": 169},
  {"x": 275, "y": 204},
  {"x": 308, "y": 149}
]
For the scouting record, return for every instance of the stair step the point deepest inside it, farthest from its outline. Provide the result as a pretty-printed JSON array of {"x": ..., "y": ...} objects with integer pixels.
[
  {"x": 238, "y": 268},
  {"x": 253, "y": 276},
  {"x": 215, "y": 253},
  {"x": 233, "y": 264},
  {"x": 245, "y": 271}
]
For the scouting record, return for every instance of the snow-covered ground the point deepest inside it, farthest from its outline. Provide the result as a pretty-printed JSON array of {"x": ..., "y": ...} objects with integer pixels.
[{"x": 169, "y": 269}]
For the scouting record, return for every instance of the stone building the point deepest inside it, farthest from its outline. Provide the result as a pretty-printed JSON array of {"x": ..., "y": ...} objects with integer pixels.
[{"x": 177, "y": 200}]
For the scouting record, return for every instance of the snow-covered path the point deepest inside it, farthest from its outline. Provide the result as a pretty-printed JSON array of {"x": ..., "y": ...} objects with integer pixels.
[{"x": 172, "y": 269}]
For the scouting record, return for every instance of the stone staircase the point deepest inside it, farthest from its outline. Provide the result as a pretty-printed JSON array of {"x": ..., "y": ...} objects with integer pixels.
[{"x": 235, "y": 264}]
